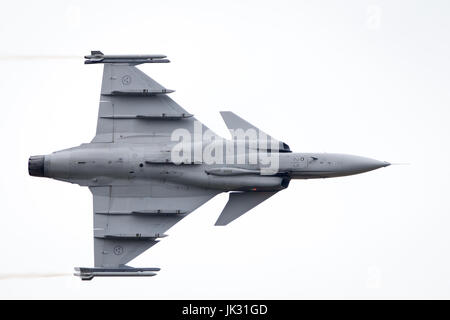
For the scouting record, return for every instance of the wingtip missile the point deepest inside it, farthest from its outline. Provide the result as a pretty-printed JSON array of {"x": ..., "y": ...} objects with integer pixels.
[
  {"x": 90, "y": 273},
  {"x": 99, "y": 57}
]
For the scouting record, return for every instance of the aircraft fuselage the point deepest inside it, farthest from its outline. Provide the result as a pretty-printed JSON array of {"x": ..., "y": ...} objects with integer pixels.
[{"x": 97, "y": 164}]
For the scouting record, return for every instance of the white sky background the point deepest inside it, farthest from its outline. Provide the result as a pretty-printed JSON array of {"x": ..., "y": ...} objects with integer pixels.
[{"x": 369, "y": 78}]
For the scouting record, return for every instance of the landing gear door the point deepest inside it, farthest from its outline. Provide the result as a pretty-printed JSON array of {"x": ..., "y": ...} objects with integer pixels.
[{"x": 299, "y": 162}]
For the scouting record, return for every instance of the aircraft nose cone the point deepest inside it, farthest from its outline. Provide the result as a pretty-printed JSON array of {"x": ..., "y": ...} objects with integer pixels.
[{"x": 361, "y": 164}]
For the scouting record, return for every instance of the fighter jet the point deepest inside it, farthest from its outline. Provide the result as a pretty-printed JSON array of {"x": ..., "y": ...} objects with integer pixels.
[{"x": 151, "y": 163}]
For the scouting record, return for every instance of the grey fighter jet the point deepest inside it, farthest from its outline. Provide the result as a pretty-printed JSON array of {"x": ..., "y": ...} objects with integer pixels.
[{"x": 151, "y": 163}]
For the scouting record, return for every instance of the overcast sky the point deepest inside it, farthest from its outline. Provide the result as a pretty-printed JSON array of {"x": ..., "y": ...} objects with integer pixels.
[{"x": 369, "y": 78}]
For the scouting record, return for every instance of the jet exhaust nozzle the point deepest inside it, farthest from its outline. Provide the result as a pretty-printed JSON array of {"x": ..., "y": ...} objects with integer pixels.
[{"x": 36, "y": 166}]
